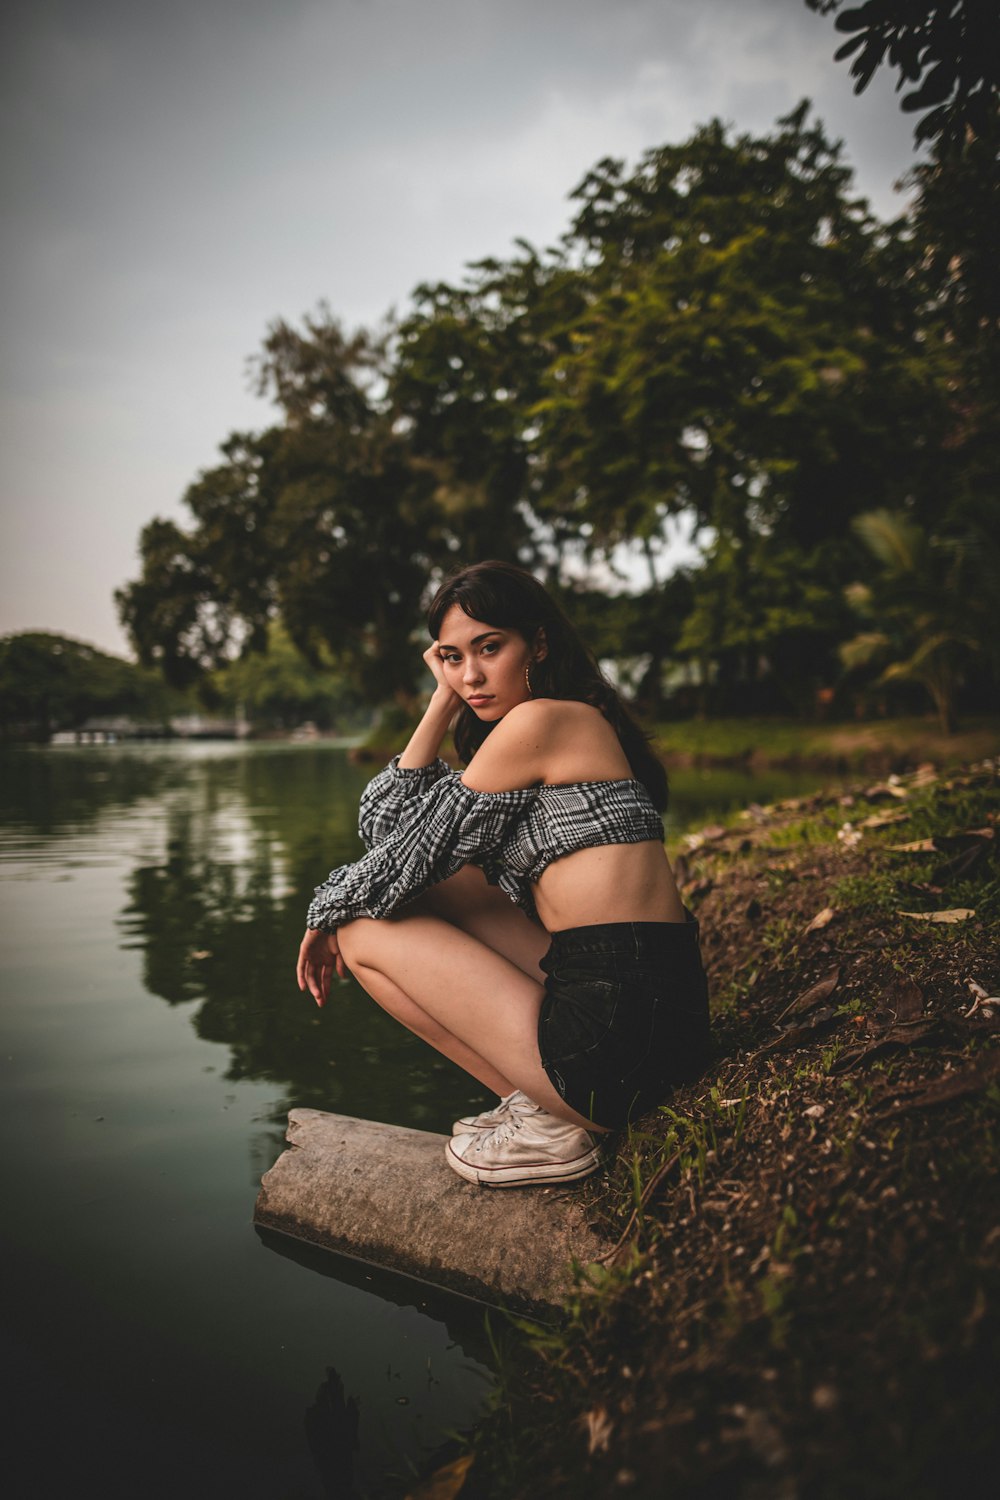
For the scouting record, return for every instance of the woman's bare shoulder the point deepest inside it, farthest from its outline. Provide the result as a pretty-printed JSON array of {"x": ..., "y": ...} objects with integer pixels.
[
  {"x": 548, "y": 741},
  {"x": 575, "y": 740}
]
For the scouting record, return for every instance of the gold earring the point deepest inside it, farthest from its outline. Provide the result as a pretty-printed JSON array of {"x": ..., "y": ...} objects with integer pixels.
[{"x": 527, "y": 681}]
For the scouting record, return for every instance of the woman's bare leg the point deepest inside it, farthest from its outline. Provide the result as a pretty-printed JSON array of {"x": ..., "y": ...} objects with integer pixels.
[
  {"x": 469, "y": 1001},
  {"x": 467, "y": 901}
]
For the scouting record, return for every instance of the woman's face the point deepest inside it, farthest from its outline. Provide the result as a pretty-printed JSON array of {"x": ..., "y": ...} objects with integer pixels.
[{"x": 484, "y": 664}]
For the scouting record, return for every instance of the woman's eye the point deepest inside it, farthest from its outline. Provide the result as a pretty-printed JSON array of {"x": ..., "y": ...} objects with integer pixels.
[{"x": 491, "y": 648}]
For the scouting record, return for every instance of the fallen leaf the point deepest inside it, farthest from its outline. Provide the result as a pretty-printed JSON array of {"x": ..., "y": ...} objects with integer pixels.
[
  {"x": 815, "y": 1112},
  {"x": 878, "y": 793},
  {"x": 705, "y": 836},
  {"x": 799, "y": 1031},
  {"x": 905, "y": 998},
  {"x": 814, "y": 995},
  {"x": 950, "y": 1086},
  {"x": 961, "y": 864},
  {"x": 599, "y": 1428},
  {"x": 883, "y": 820},
  {"x": 962, "y": 840},
  {"x": 919, "y": 889},
  {"x": 982, "y": 1002},
  {"x": 822, "y": 919},
  {"x": 918, "y": 846},
  {"x": 201, "y": 953},
  {"x": 446, "y": 1482},
  {"x": 955, "y": 914},
  {"x": 908, "y": 1034}
]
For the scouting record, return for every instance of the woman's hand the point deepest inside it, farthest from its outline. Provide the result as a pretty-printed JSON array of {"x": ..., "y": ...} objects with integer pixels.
[
  {"x": 319, "y": 955},
  {"x": 443, "y": 689}
]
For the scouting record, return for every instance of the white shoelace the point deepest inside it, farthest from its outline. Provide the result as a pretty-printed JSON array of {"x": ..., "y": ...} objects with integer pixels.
[{"x": 501, "y": 1133}]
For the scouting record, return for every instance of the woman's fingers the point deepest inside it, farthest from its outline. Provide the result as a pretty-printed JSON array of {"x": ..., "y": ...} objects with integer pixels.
[
  {"x": 432, "y": 657},
  {"x": 300, "y": 966},
  {"x": 319, "y": 957}
]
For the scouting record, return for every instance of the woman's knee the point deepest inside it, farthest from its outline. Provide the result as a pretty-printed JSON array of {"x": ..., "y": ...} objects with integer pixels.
[
  {"x": 351, "y": 938},
  {"x": 365, "y": 939}
]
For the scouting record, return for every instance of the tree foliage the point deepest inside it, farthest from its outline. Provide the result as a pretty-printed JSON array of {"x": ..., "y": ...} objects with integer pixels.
[
  {"x": 927, "y": 611},
  {"x": 724, "y": 336},
  {"x": 279, "y": 689},
  {"x": 50, "y": 682},
  {"x": 948, "y": 49}
]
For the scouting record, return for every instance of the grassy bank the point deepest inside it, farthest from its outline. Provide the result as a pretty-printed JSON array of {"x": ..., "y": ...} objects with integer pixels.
[
  {"x": 803, "y": 1301},
  {"x": 880, "y": 745}
]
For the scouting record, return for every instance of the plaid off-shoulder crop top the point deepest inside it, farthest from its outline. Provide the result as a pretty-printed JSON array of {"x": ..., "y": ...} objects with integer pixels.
[{"x": 422, "y": 825}]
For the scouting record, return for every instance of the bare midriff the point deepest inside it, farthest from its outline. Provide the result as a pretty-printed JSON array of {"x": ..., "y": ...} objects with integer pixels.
[{"x": 610, "y": 883}]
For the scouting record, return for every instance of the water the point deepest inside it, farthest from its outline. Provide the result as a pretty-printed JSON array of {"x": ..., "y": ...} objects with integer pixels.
[{"x": 153, "y": 1040}]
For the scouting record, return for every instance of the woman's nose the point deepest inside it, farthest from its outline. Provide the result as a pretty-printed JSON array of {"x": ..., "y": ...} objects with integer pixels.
[{"x": 473, "y": 671}]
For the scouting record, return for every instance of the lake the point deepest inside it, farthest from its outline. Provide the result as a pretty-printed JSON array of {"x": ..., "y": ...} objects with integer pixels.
[{"x": 154, "y": 1040}]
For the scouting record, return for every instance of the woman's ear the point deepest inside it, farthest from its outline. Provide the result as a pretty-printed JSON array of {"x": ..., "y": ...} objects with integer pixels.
[{"x": 541, "y": 646}]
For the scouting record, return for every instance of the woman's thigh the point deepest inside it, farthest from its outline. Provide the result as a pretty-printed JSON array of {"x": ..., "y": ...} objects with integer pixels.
[
  {"x": 466, "y": 986},
  {"x": 477, "y": 994},
  {"x": 470, "y": 903}
]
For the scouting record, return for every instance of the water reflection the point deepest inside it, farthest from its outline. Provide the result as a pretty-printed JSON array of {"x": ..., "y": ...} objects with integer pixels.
[
  {"x": 154, "y": 1037},
  {"x": 332, "y": 1431},
  {"x": 232, "y": 841},
  {"x": 333, "y": 1419}
]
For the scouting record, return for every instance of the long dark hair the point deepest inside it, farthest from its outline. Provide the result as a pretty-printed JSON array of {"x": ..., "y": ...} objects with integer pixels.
[{"x": 505, "y": 596}]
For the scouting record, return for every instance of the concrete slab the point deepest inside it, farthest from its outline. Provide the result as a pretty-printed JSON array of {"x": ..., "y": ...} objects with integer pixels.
[{"x": 384, "y": 1194}]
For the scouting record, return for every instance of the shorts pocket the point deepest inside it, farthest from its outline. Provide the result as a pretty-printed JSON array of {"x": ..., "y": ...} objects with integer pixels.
[{"x": 579, "y": 1023}]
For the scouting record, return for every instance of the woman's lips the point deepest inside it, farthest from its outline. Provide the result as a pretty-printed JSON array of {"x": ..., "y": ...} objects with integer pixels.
[{"x": 479, "y": 698}]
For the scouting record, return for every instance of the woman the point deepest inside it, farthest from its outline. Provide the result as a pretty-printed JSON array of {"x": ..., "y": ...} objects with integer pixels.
[{"x": 521, "y": 916}]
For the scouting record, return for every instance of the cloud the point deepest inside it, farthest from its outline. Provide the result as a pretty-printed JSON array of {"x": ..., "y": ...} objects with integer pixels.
[{"x": 185, "y": 173}]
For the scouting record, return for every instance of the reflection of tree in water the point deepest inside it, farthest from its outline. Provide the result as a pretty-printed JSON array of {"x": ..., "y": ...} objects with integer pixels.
[
  {"x": 55, "y": 791},
  {"x": 332, "y": 1432},
  {"x": 334, "y": 1424},
  {"x": 219, "y": 918}
]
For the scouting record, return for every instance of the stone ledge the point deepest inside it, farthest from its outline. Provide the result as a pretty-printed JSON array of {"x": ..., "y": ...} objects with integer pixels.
[{"x": 385, "y": 1195}]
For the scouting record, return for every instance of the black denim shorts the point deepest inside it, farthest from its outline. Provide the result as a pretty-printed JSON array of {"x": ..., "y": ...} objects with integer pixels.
[{"x": 624, "y": 1016}]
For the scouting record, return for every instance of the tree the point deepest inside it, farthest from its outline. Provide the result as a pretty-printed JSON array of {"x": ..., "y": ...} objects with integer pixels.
[
  {"x": 469, "y": 369},
  {"x": 929, "y": 611},
  {"x": 950, "y": 49},
  {"x": 724, "y": 333},
  {"x": 50, "y": 682},
  {"x": 323, "y": 520},
  {"x": 277, "y": 687},
  {"x": 749, "y": 349}
]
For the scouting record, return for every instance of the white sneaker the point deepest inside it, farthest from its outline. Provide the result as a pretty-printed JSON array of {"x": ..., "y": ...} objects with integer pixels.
[
  {"x": 524, "y": 1149},
  {"x": 491, "y": 1118}
]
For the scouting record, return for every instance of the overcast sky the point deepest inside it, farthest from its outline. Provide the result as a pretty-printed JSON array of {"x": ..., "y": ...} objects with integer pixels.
[{"x": 177, "y": 174}]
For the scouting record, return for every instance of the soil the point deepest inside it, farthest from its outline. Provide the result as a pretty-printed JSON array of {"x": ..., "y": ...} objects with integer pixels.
[{"x": 803, "y": 1302}]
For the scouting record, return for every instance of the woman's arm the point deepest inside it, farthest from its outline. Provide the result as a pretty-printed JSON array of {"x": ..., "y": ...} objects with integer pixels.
[
  {"x": 547, "y": 740},
  {"x": 449, "y": 826},
  {"x": 425, "y": 741}
]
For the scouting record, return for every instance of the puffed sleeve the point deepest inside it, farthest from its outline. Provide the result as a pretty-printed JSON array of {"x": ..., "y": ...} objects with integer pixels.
[
  {"x": 447, "y": 826},
  {"x": 393, "y": 797}
]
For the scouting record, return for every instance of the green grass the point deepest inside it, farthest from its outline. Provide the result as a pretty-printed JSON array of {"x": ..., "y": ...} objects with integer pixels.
[{"x": 853, "y": 743}]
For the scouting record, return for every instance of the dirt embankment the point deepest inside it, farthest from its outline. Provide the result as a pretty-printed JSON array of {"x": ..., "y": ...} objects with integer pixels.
[{"x": 804, "y": 1300}]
